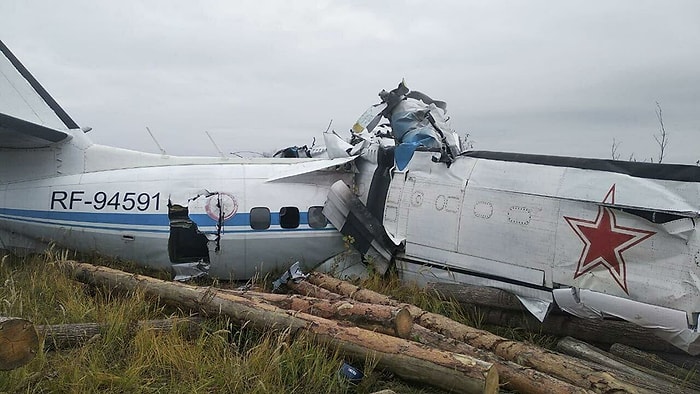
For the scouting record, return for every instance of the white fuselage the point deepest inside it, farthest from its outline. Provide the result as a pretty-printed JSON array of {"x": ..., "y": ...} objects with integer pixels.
[
  {"x": 134, "y": 209},
  {"x": 538, "y": 229}
]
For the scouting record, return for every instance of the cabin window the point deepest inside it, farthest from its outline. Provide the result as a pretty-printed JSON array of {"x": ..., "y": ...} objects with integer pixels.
[
  {"x": 316, "y": 217},
  {"x": 260, "y": 218},
  {"x": 289, "y": 217}
]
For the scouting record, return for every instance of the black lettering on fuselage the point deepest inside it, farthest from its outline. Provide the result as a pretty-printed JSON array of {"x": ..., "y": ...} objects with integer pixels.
[
  {"x": 75, "y": 197},
  {"x": 58, "y": 196}
]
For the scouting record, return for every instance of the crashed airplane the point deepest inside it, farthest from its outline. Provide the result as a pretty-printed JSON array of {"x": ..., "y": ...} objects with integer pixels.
[{"x": 595, "y": 237}]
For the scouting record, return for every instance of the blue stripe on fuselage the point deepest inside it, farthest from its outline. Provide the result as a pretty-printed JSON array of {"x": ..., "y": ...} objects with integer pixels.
[
  {"x": 143, "y": 219},
  {"x": 157, "y": 222}
]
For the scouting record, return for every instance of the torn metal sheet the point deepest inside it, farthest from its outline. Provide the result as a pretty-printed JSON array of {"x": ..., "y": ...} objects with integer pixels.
[
  {"x": 569, "y": 301},
  {"x": 682, "y": 227},
  {"x": 294, "y": 273},
  {"x": 354, "y": 220},
  {"x": 669, "y": 324},
  {"x": 537, "y": 307},
  {"x": 188, "y": 271},
  {"x": 347, "y": 265},
  {"x": 336, "y": 147},
  {"x": 417, "y": 122}
]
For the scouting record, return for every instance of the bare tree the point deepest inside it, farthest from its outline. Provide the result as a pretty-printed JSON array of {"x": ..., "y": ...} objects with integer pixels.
[
  {"x": 466, "y": 142},
  {"x": 613, "y": 149},
  {"x": 662, "y": 137}
]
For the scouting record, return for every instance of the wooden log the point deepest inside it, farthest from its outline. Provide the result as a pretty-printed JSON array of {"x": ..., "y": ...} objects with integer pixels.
[
  {"x": 641, "y": 378},
  {"x": 19, "y": 342},
  {"x": 588, "y": 330},
  {"x": 409, "y": 360},
  {"x": 513, "y": 376},
  {"x": 65, "y": 336},
  {"x": 684, "y": 361},
  {"x": 311, "y": 290},
  {"x": 359, "y": 313},
  {"x": 555, "y": 364},
  {"x": 655, "y": 363},
  {"x": 482, "y": 296}
]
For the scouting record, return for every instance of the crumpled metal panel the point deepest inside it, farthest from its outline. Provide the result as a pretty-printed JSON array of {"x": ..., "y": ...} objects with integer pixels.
[
  {"x": 670, "y": 324},
  {"x": 537, "y": 307}
]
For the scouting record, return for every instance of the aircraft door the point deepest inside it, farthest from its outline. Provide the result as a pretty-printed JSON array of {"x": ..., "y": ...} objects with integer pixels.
[
  {"x": 396, "y": 213},
  {"x": 434, "y": 207}
]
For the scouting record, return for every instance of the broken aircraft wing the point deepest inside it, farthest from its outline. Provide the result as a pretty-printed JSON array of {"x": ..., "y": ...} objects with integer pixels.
[{"x": 301, "y": 167}]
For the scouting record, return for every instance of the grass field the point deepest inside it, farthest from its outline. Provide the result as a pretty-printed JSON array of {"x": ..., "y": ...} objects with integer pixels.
[{"x": 223, "y": 358}]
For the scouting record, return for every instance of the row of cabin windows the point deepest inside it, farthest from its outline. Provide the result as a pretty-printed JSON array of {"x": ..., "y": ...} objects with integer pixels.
[{"x": 289, "y": 217}]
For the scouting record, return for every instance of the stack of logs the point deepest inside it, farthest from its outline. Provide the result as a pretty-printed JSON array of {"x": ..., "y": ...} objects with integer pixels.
[{"x": 412, "y": 343}]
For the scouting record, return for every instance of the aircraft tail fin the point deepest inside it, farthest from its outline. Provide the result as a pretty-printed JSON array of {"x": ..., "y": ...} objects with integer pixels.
[{"x": 29, "y": 116}]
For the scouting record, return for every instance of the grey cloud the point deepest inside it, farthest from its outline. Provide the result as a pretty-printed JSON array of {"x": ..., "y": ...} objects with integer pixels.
[{"x": 558, "y": 78}]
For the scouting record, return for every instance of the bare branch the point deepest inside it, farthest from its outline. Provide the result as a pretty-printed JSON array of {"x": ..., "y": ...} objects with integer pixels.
[
  {"x": 662, "y": 137},
  {"x": 613, "y": 149}
]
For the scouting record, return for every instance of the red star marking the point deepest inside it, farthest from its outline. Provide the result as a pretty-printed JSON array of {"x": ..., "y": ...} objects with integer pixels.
[{"x": 604, "y": 241}]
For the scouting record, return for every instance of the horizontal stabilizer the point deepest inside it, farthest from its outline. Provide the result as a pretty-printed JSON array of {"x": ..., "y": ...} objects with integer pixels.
[
  {"x": 18, "y": 133},
  {"x": 29, "y": 116}
]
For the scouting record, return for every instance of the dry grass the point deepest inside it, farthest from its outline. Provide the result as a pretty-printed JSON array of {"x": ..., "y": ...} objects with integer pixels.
[{"x": 223, "y": 358}]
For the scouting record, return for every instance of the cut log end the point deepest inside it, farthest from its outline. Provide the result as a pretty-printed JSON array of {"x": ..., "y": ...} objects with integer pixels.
[
  {"x": 19, "y": 342},
  {"x": 491, "y": 385},
  {"x": 403, "y": 323}
]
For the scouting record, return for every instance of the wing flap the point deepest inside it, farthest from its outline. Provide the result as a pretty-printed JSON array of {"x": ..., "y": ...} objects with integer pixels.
[{"x": 308, "y": 166}]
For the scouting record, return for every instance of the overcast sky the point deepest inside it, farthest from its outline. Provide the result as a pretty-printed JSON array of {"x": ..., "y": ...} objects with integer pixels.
[{"x": 537, "y": 77}]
